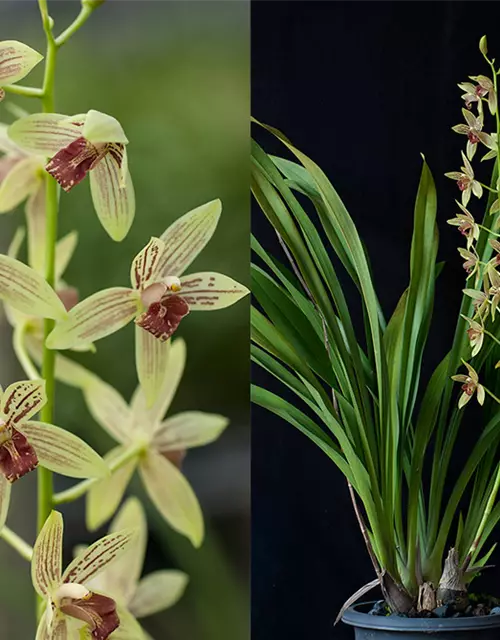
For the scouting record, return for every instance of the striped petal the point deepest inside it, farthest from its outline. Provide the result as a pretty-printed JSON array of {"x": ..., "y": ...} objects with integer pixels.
[
  {"x": 21, "y": 181},
  {"x": 148, "y": 419},
  {"x": 210, "y": 291},
  {"x": 145, "y": 263},
  {"x": 26, "y": 290},
  {"x": 104, "y": 496},
  {"x": 187, "y": 236},
  {"x": 5, "y": 489},
  {"x": 98, "y": 556},
  {"x": 16, "y": 61},
  {"x": 35, "y": 221},
  {"x": 45, "y": 134},
  {"x": 189, "y": 429},
  {"x": 173, "y": 496},
  {"x": 108, "y": 408},
  {"x": 113, "y": 203},
  {"x": 96, "y": 317},
  {"x": 158, "y": 591},
  {"x": 62, "y": 452},
  {"x": 22, "y": 400},
  {"x": 121, "y": 578},
  {"x": 151, "y": 357},
  {"x": 46, "y": 564}
]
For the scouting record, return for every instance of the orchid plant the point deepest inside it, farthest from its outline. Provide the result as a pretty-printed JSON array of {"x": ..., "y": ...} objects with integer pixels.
[
  {"x": 356, "y": 398},
  {"x": 101, "y": 594}
]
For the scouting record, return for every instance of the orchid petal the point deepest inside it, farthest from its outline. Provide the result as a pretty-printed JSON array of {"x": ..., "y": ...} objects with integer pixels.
[
  {"x": 22, "y": 400},
  {"x": 5, "y": 489},
  {"x": 98, "y": 556},
  {"x": 122, "y": 577},
  {"x": 481, "y": 395},
  {"x": 187, "y": 236},
  {"x": 189, "y": 429},
  {"x": 101, "y": 128},
  {"x": 113, "y": 203},
  {"x": 145, "y": 262},
  {"x": 151, "y": 356},
  {"x": 210, "y": 291},
  {"x": 63, "y": 452},
  {"x": 35, "y": 219},
  {"x": 104, "y": 496},
  {"x": 21, "y": 181},
  {"x": 149, "y": 419},
  {"x": 16, "y": 243},
  {"x": 463, "y": 400},
  {"x": 158, "y": 591},
  {"x": 173, "y": 496},
  {"x": 42, "y": 632},
  {"x": 47, "y": 555},
  {"x": 66, "y": 370},
  {"x": 65, "y": 249},
  {"x": 96, "y": 317},
  {"x": 108, "y": 408},
  {"x": 44, "y": 134},
  {"x": 26, "y": 290},
  {"x": 16, "y": 61},
  {"x": 7, "y": 145}
]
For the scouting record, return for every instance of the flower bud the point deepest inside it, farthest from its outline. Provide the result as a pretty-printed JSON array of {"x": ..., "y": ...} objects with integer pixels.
[
  {"x": 92, "y": 4},
  {"x": 483, "y": 46}
]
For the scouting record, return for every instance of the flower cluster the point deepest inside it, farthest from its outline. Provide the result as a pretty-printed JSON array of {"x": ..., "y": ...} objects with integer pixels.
[
  {"x": 100, "y": 594},
  {"x": 481, "y": 259}
]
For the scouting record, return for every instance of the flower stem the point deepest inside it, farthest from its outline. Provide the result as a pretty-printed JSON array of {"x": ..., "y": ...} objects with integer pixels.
[
  {"x": 20, "y": 90},
  {"x": 80, "y": 489},
  {"x": 17, "y": 543},
  {"x": 81, "y": 19},
  {"x": 492, "y": 395},
  {"x": 485, "y": 186}
]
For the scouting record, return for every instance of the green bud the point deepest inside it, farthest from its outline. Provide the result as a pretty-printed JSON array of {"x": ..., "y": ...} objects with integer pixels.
[{"x": 483, "y": 46}]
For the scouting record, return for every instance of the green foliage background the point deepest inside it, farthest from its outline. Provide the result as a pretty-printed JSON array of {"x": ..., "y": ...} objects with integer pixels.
[{"x": 176, "y": 75}]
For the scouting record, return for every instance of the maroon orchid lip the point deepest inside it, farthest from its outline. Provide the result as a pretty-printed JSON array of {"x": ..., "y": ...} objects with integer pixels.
[
  {"x": 70, "y": 165},
  {"x": 163, "y": 318},
  {"x": 17, "y": 457},
  {"x": 98, "y": 611}
]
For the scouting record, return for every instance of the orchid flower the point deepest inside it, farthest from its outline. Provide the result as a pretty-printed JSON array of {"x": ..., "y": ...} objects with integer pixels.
[
  {"x": 466, "y": 181},
  {"x": 121, "y": 580},
  {"x": 93, "y": 143},
  {"x": 494, "y": 288},
  {"x": 485, "y": 87},
  {"x": 466, "y": 225},
  {"x": 480, "y": 302},
  {"x": 471, "y": 261},
  {"x": 470, "y": 385},
  {"x": 25, "y": 443},
  {"x": 159, "y": 298},
  {"x": 16, "y": 61},
  {"x": 476, "y": 335},
  {"x": 73, "y": 610},
  {"x": 472, "y": 130},
  {"x": 157, "y": 449},
  {"x": 490, "y": 141}
]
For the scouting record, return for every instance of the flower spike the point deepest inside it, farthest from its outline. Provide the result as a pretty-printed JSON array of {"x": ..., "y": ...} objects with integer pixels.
[{"x": 93, "y": 143}]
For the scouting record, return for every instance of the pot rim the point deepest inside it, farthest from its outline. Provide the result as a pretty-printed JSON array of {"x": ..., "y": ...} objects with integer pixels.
[{"x": 356, "y": 618}]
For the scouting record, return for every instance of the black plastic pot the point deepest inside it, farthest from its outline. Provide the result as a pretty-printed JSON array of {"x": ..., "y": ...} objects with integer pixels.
[{"x": 368, "y": 627}]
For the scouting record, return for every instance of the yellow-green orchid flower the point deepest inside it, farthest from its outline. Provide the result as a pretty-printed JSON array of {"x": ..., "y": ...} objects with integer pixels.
[
  {"x": 472, "y": 129},
  {"x": 466, "y": 181},
  {"x": 92, "y": 143},
  {"x": 470, "y": 385},
  {"x": 157, "y": 447},
  {"x": 25, "y": 443},
  {"x": 73, "y": 610},
  {"x": 16, "y": 61},
  {"x": 466, "y": 225},
  {"x": 122, "y": 579},
  {"x": 160, "y": 296}
]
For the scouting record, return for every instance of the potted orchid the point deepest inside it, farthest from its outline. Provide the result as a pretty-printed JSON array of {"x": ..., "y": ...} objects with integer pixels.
[
  {"x": 100, "y": 594},
  {"x": 356, "y": 397}
]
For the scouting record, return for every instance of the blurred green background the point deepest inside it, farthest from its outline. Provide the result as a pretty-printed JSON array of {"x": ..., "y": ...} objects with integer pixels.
[{"x": 176, "y": 75}]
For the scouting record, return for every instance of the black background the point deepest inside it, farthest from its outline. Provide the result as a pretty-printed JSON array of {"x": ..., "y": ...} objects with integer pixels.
[{"x": 362, "y": 88}]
